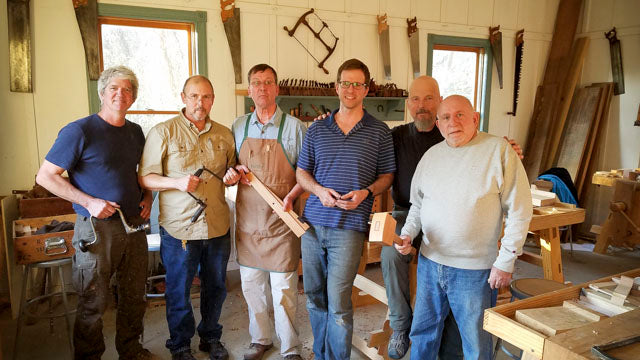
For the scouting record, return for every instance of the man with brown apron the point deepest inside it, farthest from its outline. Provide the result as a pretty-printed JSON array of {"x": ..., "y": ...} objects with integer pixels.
[{"x": 268, "y": 142}]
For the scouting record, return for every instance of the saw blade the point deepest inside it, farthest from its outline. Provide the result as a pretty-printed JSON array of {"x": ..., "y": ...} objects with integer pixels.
[
  {"x": 495, "y": 38},
  {"x": 518, "y": 70},
  {"x": 383, "y": 32},
  {"x": 414, "y": 45}
]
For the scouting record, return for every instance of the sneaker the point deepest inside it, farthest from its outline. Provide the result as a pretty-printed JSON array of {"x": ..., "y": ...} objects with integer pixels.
[
  {"x": 183, "y": 355},
  {"x": 217, "y": 350},
  {"x": 293, "y": 357},
  {"x": 256, "y": 351},
  {"x": 398, "y": 344}
]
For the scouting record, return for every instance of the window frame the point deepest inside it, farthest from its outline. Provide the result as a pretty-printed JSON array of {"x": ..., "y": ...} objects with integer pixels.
[
  {"x": 199, "y": 37},
  {"x": 485, "y": 64}
]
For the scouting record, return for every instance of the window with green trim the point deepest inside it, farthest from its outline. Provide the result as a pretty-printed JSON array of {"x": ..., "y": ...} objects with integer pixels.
[
  {"x": 461, "y": 66},
  {"x": 161, "y": 46}
]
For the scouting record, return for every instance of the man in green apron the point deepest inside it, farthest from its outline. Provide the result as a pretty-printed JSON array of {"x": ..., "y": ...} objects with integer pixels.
[{"x": 267, "y": 142}]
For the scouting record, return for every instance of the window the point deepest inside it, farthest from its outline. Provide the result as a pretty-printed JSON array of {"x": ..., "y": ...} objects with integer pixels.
[
  {"x": 163, "y": 48},
  {"x": 461, "y": 66}
]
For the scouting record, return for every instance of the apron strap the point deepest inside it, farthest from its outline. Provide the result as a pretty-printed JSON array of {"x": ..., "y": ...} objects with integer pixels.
[{"x": 284, "y": 116}]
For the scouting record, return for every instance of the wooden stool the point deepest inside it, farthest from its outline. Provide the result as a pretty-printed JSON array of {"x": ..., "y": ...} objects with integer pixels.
[{"x": 522, "y": 289}]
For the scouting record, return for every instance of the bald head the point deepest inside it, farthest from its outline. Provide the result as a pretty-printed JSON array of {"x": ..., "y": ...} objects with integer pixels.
[
  {"x": 196, "y": 79},
  {"x": 457, "y": 120},
  {"x": 423, "y": 101}
]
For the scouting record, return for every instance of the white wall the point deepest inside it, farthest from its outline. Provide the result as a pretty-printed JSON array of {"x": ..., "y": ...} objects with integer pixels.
[
  {"x": 621, "y": 145},
  {"x": 31, "y": 121}
]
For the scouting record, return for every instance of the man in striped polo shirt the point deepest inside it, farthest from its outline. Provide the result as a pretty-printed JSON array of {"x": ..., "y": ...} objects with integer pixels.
[{"x": 346, "y": 159}]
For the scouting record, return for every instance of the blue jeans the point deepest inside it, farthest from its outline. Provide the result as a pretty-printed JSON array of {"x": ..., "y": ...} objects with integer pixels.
[
  {"x": 466, "y": 293},
  {"x": 211, "y": 255},
  {"x": 330, "y": 259},
  {"x": 395, "y": 272}
]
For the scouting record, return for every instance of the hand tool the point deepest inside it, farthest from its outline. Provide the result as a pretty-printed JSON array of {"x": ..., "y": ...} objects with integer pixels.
[
  {"x": 128, "y": 228},
  {"x": 383, "y": 32},
  {"x": 518, "y": 70},
  {"x": 383, "y": 229},
  {"x": 616, "y": 61},
  {"x": 495, "y": 38},
  {"x": 414, "y": 45}
]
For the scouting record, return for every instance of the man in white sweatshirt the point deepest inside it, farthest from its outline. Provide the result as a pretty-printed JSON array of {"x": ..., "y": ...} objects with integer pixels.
[{"x": 460, "y": 190}]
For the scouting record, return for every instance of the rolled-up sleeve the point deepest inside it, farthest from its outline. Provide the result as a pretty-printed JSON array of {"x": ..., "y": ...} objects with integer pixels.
[{"x": 155, "y": 149}]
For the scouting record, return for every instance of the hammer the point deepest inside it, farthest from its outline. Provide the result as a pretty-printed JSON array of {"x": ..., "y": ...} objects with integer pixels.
[{"x": 383, "y": 229}]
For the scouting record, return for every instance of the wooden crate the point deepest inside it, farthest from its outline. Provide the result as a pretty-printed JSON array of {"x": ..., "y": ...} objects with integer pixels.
[
  {"x": 30, "y": 249},
  {"x": 500, "y": 320},
  {"x": 41, "y": 207}
]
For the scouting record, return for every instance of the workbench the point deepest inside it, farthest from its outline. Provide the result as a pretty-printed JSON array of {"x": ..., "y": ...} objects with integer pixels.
[
  {"x": 621, "y": 226},
  {"x": 545, "y": 224},
  {"x": 573, "y": 344}
]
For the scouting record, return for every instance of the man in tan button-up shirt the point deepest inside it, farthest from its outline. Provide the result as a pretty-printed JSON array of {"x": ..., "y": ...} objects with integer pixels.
[{"x": 174, "y": 151}]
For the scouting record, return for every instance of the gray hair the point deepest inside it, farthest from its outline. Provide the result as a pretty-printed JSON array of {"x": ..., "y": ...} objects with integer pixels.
[{"x": 118, "y": 72}]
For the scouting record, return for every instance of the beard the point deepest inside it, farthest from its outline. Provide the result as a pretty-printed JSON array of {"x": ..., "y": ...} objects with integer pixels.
[{"x": 424, "y": 120}]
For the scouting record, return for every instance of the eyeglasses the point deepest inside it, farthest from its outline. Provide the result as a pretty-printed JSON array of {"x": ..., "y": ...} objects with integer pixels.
[
  {"x": 196, "y": 97},
  {"x": 356, "y": 85},
  {"x": 257, "y": 83}
]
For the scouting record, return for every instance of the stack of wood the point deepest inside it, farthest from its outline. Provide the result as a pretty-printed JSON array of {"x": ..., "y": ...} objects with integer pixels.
[{"x": 554, "y": 95}]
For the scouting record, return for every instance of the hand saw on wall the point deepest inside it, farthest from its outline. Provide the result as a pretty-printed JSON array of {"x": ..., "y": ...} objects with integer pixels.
[
  {"x": 518, "y": 70},
  {"x": 383, "y": 32}
]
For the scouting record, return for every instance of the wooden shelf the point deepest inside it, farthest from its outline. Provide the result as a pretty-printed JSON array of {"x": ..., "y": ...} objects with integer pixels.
[{"x": 382, "y": 108}]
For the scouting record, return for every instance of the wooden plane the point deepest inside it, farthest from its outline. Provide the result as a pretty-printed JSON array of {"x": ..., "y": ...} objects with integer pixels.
[{"x": 383, "y": 229}]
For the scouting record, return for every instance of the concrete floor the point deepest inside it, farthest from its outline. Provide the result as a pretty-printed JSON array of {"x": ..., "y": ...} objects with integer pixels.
[{"x": 38, "y": 343}]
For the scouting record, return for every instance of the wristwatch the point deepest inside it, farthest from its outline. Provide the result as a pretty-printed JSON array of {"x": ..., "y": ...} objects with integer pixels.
[{"x": 369, "y": 191}]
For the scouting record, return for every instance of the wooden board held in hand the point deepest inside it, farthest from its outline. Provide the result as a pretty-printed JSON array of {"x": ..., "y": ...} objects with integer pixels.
[{"x": 289, "y": 217}]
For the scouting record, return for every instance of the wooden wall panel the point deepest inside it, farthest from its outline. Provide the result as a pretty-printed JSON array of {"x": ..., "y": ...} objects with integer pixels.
[
  {"x": 255, "y": 48},
  {"x": 455, "y": 11},
  {"x": 366, "y": 7},
  {"x": 428, "y": 10},
  {"x": 505, "y": 13},
  {"x": 480, "y": 13}
]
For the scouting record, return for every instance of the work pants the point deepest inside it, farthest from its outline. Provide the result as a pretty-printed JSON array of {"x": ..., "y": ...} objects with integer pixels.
[
  {"x": 114, "y": 252},
  {"x": 284, "y": 292}
]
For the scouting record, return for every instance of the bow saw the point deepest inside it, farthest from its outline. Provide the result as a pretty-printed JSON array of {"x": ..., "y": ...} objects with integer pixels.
[{"x": 330, "y": 50}]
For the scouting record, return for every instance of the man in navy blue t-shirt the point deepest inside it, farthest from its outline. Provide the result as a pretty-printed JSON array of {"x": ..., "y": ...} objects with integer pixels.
[
  {"x": 346, "y": 159},
  {"x": 101, "y": 154}
]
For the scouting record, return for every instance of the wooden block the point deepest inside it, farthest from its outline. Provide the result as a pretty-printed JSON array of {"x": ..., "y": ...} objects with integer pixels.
[
  {"x": 383, "y": 229},
  {"x": 578, "y": 308},
  {"x": 543, "y": 185},
  {"x": 577, "y": 343},
  {"x": 604, "y": 301},
  {"x": 290, "y": 217},
  {"x": 552, "y": 320},
  {"x": 543, "y": 198}
]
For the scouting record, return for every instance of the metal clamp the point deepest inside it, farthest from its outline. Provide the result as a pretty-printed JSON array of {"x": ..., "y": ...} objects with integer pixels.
[{"x": 55, "y": 243}]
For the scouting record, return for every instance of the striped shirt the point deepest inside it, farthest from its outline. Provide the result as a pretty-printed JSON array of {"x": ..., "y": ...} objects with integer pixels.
[{"x": 345, "y": 163}]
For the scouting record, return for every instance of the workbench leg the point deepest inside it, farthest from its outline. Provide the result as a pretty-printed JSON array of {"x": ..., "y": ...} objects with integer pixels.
[
  {"x": 357, "y": 299},
  {"x": 551, "y": 254},
  {"x": 606, "y": 231}
]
